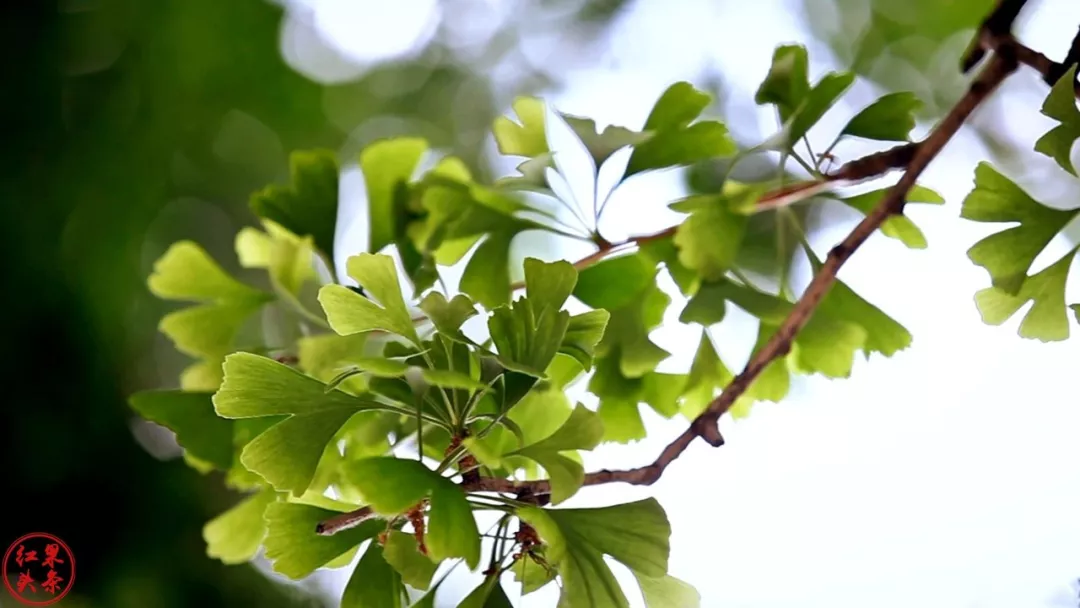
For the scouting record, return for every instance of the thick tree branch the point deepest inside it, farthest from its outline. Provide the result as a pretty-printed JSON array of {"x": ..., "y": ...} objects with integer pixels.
[{"x": 1007, "y": 54}]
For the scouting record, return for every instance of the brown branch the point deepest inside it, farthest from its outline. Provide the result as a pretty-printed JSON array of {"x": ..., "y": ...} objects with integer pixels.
[{"x": 913, "y": 157}]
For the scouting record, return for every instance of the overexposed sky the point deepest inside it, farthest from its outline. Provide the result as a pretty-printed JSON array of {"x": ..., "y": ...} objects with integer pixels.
[{"x": 945, "y": 476}]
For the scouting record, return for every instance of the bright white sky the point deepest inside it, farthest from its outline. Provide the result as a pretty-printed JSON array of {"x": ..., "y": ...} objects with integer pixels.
[{"x": 945, "y": 476}]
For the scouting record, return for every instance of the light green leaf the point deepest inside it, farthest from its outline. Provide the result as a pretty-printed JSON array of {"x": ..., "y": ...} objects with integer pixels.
[
  {"x": 635, "y": 534},
  {"x": 374, "y": 583},
  {"x": 349, "y": 312},
  {"x": 627, "y": 335},
  {"x": 899, "y": 227},
  {"x": 816, "y": 103},
  {"x": 234, "y": 536},
  {"x": 448, "y": 317},
  {"x": 452, "y": 531},
  {"x": 674, "y": 141},
  {"x": 388, "y": 166},
  {"x": 186, "y": 272},
  {"x": 890, "y": 118},
  {"x": 402, "y": 552},
  {"x": 531, "y": 575},
  {"x": 1060, "y": 105},
  {"x": 207, "y": 330},
  {"x": 883, "y": 334},
  {"x": 288, "y": 257},
  {"x": 1047, "y": 320},
  {"x": 615, "y": 282},
  {"x": 528, "y": 334},
  {"x": 190, "y": 415},
  {"x": 527, "y": 138},
  {"x": 324, "y": 356},
  {"x": 582, "y": 431},
  {"x": 391, "y": 486},
  {"x": 621, "y": 418},
  {"x": 487, "y": 276},
  {"x": 602, "y": 145},
  {"x": 1008, "y": 255},
  {"x": 668, "y": 592},
  {"x": 293, "y": 546},
  {"x": 549, "y": 284},
  {"x": 583, "y": 333},
  {"x": 708, "y": 375},
  {"x": 307, "y": 206},
  {"x": 827, "y": 345},
  {"x": 489, "y": 594},
  {"x": 259, "y": 386},
  {"x": 288, "y": 453},
  {"x": 774, "y": 382},
  {"x": 787, "y": 82},
  {"x": 710, "y": 238},
  {"x": 661, "y": 391}
]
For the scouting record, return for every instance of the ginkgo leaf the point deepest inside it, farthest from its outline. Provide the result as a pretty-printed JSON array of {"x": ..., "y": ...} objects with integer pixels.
[
  {"x": 827, "y": 345},
  {"x": 308, "y": 206},
  {"x": 287, "y": 453},
  {"x": 582, "y": 431},
  {"x": 615, "y": 282},
  {"x": 787, "y": 82},
  {"x": 674, "y": 140},
  {"x": 619, "y": 399},
  {"x": 667, "y": 592},
  {"x": 487, "y": 277},
  {"x": 293, "y": 546},
  {"x": 710, "y": 238},
  {"x": 403, "y": 553},
  {"x": 626, "y": 337},
  {"x": 287, "y": 256},
  {"x": 799, "y": 105},
  {"x": 234, "y": 536},
  {"x": 707, "y": 376},
  {"x": 532, "y": 575},
  {"x": 349, "y": 312},
  {"x": 374, "y": 583},
  {"x": 1008, "y": 255},
  {"x": 1060, "y": 105},
  {"x": 583, "y": 333},
  {"x": 1047, "y": 320},
  {"x": 207, "y": 330},
  {"x": 324, "y": 356},
  {"x": 635, "y": 534},
  {"x": 388, "y": 166},
  {"x": 601, "y": 145},
  {"x": 186, "y": 272},
  {"x": 890, "y": 118},
  {"x": 528, "y": 333},
  {"x": 449, "y": 316},
  {"x": 190, "y": 415},
  {"x": 883, "y": 334},
  {"x": 817, "y": 102},
  {"x": 393, "y": 485},
  {"x": 489, "y": 594},
  {"x": 899, "y": 227},
  {"x": 526, "y": 138}
]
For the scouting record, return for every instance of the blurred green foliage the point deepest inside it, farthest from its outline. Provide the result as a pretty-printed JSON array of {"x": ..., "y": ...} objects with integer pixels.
[{"x": 913, "y": 45}]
